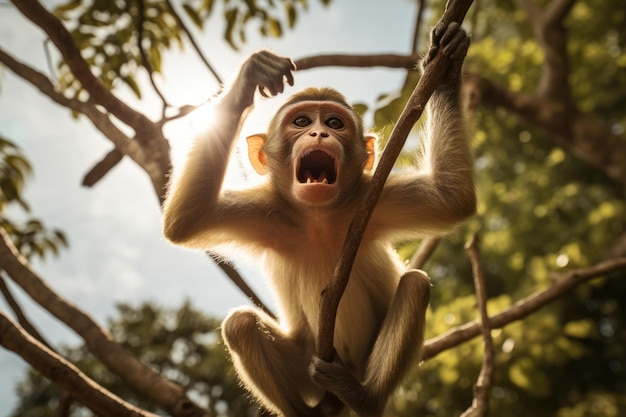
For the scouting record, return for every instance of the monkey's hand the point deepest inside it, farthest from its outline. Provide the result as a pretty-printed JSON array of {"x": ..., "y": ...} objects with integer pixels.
[
  {"x": 453, "y": 42},
  {"x": 336, "y": 378},
  {"x": 263, "y": 71}
]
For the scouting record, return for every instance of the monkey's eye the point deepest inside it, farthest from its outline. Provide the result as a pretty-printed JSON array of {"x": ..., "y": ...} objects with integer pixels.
[
  {"x": 334, "y": 123},
  {"x": 302, "y": 121}
]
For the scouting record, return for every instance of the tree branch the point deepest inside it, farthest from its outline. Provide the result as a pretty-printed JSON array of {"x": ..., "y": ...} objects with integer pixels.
[
  {"x": 100, "y": 120},
  {"x": 562, "y": 282},
  {"x": 331, "y": 295},
  {"x": 64, "y": 373},
  {"x": 358, "y": 61},
  {"x": 137, "y": 375},
  {"x": 424, "y": 252},
  {"x": 192, "y": 40},
  {"x": 588, "y": 137},
  {"x": 480, "y": 403}
]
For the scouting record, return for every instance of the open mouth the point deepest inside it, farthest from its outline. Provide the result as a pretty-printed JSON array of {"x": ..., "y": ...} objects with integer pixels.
[{"x": 317, "y": 167}]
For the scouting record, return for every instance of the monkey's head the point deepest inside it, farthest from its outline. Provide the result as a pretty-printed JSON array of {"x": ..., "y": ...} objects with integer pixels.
[{"x": 315, "y": 150}]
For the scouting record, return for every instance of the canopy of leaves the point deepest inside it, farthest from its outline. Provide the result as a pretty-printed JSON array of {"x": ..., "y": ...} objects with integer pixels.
[{"x": 119, "y": 37}]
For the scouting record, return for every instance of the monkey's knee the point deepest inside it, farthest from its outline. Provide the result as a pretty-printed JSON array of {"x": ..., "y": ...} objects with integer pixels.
[
  {"x": 417, "y": 283},
  {"x": 238, "y": 327}
]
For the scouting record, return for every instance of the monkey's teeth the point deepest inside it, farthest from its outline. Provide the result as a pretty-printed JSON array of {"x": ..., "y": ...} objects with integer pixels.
[
  {"x": 324, "y": 181},
  {"x": 309, "y": 180}
]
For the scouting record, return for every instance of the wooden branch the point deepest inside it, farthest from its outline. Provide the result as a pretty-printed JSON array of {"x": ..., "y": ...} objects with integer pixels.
[
  {"x": 331, "y": 295},
  {"x": 21, "y": 317},
  {"x": 480, "y": 403},
  {"x": 238, "y": 280},
  {"x": 421, "y": 6},
  {"x": 141, "y": 17},
  {"x": 588, "y": 137},
  {"x": 107, "y": 163},
  {"x": 424, "y": 252},
  {"x": 137, "y": 375},
  {"x": 100, "y": 120},
  {"x": 192, "y": 40},
  {"x": 358, "y": 61},
  {"x": 562, "y": 282},
  {"x": 64, "y": 373}
]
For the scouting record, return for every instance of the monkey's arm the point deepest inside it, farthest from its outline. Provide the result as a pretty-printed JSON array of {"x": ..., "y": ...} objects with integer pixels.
[
  {"x": 442, "y": 193},
  {"x": 194, "y": 205}
]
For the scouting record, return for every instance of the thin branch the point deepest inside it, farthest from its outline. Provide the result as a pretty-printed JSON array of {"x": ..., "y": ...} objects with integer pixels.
[
  {"x": 184, "y": 28},
  {"x": 21, "y": 317},
  {"x": 424, "y": 252},
  {"x": 358, "y": 61},
  {"x": 480, "y": 403},
  {"x": 562, "y": 282},
  {"x": 144, "y": 56},
  {"x": 331, "y": 295},
  {"x": 238, "y": 280},
  {"x": 136, "y": 374},
  {"x": 64, "y": 373},
  {"x": 418, "y": 26}
]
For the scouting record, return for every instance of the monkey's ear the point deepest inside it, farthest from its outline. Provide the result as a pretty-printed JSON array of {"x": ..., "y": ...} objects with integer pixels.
[
  {"x": 370, "y": 147},
  {"x": 255, "y": 154}
]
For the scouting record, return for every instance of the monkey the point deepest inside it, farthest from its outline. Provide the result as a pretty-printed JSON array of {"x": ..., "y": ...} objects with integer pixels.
[{"x": 317, "y": 163}]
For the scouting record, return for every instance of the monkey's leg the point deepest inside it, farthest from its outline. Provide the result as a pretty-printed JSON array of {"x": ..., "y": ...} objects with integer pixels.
[
  {"x": 271, "y": 365},
  {"x": 397, "y": 347}
]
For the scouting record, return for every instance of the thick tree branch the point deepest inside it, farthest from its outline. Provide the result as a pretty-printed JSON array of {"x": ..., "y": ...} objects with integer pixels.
[
  {"x": 137, "y": 375},
  {"x": 64, "y": 373},
  {"x": 562, "y": 282},
  {"x": 588, "y": 137},
  {"x": 100, "y": 120},
  {"x": 331, "y": 295}
]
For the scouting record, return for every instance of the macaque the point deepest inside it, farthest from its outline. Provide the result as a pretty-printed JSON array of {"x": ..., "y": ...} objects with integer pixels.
[{"x": 318, "y": 164}]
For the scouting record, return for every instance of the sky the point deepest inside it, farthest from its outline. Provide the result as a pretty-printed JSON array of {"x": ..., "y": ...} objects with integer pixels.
[{"x": 117, "y": 253}]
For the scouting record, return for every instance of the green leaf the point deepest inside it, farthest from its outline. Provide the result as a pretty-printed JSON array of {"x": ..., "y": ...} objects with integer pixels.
[{"x": 193, "y": 15}]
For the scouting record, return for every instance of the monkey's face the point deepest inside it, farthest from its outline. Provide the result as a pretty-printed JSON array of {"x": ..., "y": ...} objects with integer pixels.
[{"x": 319, "y": 140}]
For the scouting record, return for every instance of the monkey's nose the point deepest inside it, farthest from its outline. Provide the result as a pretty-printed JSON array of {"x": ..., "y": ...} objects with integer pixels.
[{"x": 320, "y": 133}]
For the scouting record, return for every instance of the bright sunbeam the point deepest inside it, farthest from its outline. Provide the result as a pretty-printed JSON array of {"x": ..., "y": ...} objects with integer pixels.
[{"x": 181, "y": 134}]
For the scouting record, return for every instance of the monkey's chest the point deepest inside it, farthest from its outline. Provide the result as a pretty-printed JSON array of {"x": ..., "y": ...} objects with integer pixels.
[{"x": 301, "y": 273}]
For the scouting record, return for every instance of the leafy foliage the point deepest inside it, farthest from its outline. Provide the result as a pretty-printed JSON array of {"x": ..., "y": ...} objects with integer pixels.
[
  {"x": 112, "y": 34},
  {"x": 32, "y": 237}
]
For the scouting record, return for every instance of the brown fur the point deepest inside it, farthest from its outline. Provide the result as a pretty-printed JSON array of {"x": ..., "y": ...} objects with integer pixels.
[{"x": 299, "y": 229}]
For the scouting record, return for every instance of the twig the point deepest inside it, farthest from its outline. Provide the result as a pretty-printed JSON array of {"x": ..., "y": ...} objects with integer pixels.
[
  {"x": 424, "y": 252},
  {"x": 480, "y": 403},
  {"x": 141, "y": 16},
  {"x": 418, "y": 26},
  {"x": 192, "y": 40},
  {"x": 331, "y": 295},
  {"x": 238, "y": 280},
  {"x": 64, "y": 373}
]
